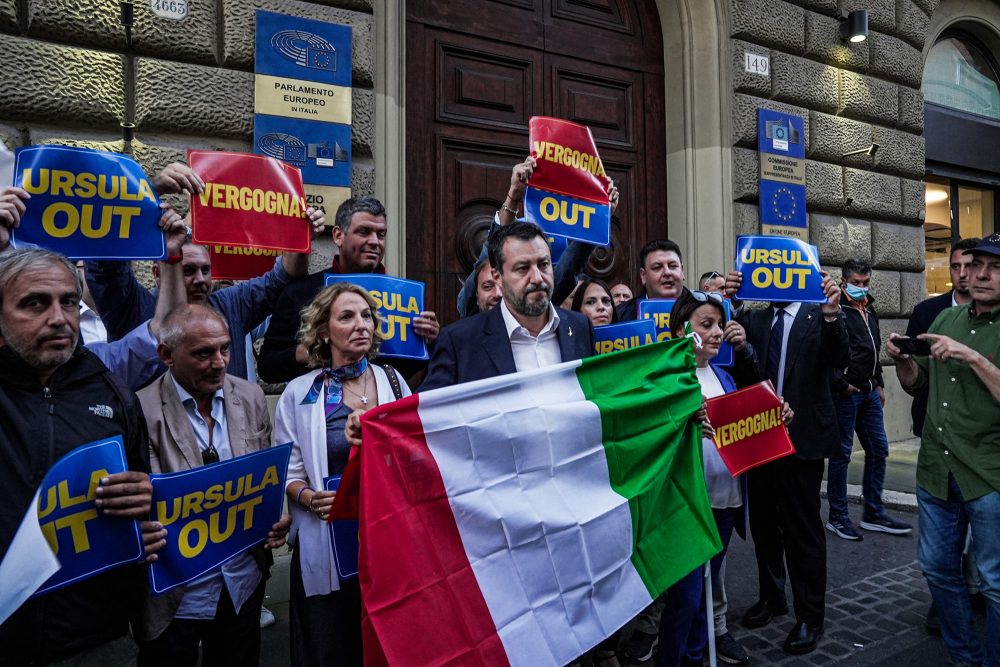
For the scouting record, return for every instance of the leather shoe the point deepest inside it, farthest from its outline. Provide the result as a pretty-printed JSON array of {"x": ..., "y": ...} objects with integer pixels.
[
  {"x": 762, "y": 613},
  {"x": 803, "y": 638}
]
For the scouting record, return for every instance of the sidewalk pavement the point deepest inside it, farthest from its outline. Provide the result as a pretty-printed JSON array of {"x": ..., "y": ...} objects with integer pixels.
[{"x": 876, "y": 596}]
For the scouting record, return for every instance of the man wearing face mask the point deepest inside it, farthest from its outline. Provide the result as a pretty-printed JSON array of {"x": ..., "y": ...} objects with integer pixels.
[{"x": 858, "y": 397}]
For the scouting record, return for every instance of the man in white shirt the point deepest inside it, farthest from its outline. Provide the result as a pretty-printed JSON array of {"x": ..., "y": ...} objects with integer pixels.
[{"x": 525, "y": 331}]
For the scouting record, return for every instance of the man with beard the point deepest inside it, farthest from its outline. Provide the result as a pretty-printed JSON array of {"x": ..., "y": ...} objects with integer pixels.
[
  {"x": 198, "y": 415},
  {"x": 524, "y": 331},
  {"x": 54, "y": 396}
]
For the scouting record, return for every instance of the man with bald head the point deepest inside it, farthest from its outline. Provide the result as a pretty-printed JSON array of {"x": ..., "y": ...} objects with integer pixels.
[
  {"x": 198, "y": 415},
  {"x": 54, "y": 396}
]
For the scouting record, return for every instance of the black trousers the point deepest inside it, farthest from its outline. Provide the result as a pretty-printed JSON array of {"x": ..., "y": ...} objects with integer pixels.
[
  {"x": 230, "y": 639},
  {"x": 324, "y": 629},
  {"x": 786, "y": 525}
]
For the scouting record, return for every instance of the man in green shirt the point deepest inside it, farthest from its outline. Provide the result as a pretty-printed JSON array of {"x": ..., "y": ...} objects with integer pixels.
[{"x": 958, "y": 470}]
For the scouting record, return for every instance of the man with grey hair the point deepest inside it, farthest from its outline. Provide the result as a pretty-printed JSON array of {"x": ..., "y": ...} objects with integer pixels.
[
  {"x": 198, "y": 415},
  {"x": 54, "y": 396},
  {"x": 359, "y": 234}
]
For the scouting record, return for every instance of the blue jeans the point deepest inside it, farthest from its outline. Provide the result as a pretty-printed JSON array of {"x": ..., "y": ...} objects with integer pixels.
[
  {"x": 860, "y": 412},
  {"x": 942, "y": 537}
]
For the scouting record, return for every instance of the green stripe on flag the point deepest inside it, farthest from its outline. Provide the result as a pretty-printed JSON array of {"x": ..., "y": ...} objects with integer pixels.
[{"x": 647, "y": 396}]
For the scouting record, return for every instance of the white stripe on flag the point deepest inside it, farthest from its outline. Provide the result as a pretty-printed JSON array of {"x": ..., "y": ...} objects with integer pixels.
[
  {"x": 28, "y": 563},
  {"x": 547, "y": 537}
]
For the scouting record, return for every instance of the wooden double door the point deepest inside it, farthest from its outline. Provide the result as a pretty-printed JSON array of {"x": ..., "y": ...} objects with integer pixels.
[{"x": 476, "y": 71}]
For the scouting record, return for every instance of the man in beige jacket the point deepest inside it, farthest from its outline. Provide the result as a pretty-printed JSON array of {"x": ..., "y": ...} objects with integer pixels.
[{"x": 198, "y": 415}]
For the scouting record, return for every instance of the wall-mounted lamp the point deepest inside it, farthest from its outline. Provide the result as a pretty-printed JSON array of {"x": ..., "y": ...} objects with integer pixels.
[
  {"x": 870, "y": 151},
  {"x": 854, "y": 26}
]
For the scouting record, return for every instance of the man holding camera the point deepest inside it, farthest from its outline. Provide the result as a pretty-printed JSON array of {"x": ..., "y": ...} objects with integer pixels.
[{"x": 958, "y": 470}]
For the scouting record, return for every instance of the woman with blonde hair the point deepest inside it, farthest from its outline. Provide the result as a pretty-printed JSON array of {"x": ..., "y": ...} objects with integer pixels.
[{"x": 340, "y": 331}]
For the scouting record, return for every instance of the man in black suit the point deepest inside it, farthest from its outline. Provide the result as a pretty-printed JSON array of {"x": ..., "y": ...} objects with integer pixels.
[
  {"x": 524, "y": 331},
  {"x": 927, "y": 311},
  {"x": 798, "y": 344}
]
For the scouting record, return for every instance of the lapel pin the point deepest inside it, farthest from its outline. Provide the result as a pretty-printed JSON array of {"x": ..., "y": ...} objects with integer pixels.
[{"x": 570, "y": 330}]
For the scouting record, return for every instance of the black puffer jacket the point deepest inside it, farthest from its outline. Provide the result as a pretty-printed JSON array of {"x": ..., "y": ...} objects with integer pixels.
[
  {"x": 864, "y": 370},
  {"x": 83, "y": 402}
]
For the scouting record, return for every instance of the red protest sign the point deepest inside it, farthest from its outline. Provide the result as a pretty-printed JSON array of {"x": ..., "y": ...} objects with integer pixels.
[
  {"x": 236, "y": 263},
  {"x": 568, "y": 163},
  {"x": 748, "y": 427},
  {"x": 250, "y": 201}
]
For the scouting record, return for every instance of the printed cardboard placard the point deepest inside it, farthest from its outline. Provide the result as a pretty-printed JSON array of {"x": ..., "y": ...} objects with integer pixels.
[
  {"x": 344, "y": 538},
  {"x": 399, "y": 301},
  {"x": 249, "y": 201},
  {"x": 777, "y": 268},
  {"x": 748, "y": 427},
  {"x": 87, "y": 204},
  {"x": 623, "y": 335},
  {"x": 215, "y": 512}
]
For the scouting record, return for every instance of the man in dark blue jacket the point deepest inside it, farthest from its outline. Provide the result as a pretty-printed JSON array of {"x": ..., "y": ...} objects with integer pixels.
[{"x": 858, "y": 396}]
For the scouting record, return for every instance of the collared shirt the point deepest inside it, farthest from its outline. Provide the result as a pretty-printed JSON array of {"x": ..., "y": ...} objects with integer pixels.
[
  {"x": 791, "y": 310},
  {"x": 533, "y": 351},
  {"x": 91, "y": 326},
  {"x": 962, "y": 432},
  {"x": 723, "y": 489},
  {"x": 132, "y": 358},
  {"x": 240, "y": 575}
]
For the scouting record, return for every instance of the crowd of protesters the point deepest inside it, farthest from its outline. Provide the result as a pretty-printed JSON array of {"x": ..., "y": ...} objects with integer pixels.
[{"x": 184, "y": 348}]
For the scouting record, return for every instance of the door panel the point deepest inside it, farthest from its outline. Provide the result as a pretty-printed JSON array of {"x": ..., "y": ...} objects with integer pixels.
[{"x": 474, "y": 78}]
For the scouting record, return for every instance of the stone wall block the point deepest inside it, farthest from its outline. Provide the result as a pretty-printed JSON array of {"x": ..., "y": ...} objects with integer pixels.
[
  {"x": 239, "y": 32},
  {"x": 871, "y": 194},
  {"x": 44, "y": 81},
  {"x": 894, "y": 59},
  {"x": 833, "y": 136},
  {"x": 911, "y": 23},
  {"x": 840, "y": 239},
  {"x": 913, "y": 194},
  {"x": 804, "y": 82},
  {"x": 756, "y": 21},
  {"x": 886, "y": 290},
  {"x": 97, "y": 24},
  {"x": 362, "y": 177},
  {"x": 900, "y": 153},
  {"x": 823, "y": 44},
  {"x": 897, "y": 247},
  {"x": 362, "y": 122},
  {"x": 746, "y": 219},
  {"x": 913, "y": 290},
  {"x": 911, "y": 110},
  {"x": 867, "y": 98},
  {"x": 47, "y": 135},
  {"x": 881, "y": 13},
  {"x": 824, "y": 186},
  {"x": 11, "y": 136},
  {"x": 888, "y": 326},
  {"x": 746, "y": 174},
  {"x": 8, "y": 15},
  {"x": 927, "y": 6},
  {"x": 193, "y": 99},
  {"x": 748, "y": 82},
  {"x": 745, "y": 118},
  {"x": 823, "y": 6}
]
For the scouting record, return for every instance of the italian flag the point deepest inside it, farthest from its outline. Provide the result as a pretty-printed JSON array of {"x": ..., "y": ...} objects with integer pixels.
[{"x": 522, "y": 519}]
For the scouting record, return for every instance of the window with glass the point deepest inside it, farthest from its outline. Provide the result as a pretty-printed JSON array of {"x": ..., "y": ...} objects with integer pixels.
[
  {"x": 955, "y": 211},
  {"x": 961, "y": 74}
]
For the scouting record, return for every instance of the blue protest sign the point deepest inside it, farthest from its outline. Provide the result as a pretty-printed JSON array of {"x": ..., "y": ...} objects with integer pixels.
[
  {"x": 87, "y": 204},
  {"x": 215, "y": 512},
  {"x": 565, "y": 216},
  {"x": 780, "y": 133},
  {"x": 321, "y": 150},
  {"x": 782, "y": 204},
  {"x": 776, "y": 268},
  {"x": 298, "y": 48},
  {"x": 85, "y": 542},
  {"x": 344, "y": 537},
  {"x": 557, "y": 246},
  {"x": 725, "y": 355},
  {"x": 657, "y": 310},
  {"x": 399, "y": 301},
  {"x": 623, "y": 335}
]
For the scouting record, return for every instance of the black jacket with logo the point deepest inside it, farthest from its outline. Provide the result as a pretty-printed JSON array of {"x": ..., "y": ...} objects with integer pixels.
[
  {"x": 82, "y": 403},
  {"x": 863, "y": 371}
]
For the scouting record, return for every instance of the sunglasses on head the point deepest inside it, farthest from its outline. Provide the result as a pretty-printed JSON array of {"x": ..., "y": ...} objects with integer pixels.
[
  {"x": 210, "y": 455},
  {"x": 707, "y": 297}
]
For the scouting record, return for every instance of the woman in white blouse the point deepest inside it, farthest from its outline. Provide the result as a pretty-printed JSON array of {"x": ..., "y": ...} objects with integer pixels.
[{"x": 340, "y": 332}]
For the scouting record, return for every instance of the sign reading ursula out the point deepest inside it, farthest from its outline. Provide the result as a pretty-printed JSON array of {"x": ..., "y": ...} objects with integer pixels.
[
  {"x": 398, "y": 301},
  {"x": 87, "y": 204},
  {"x": 778, "y": 269},
  {"x": 303, "y": 102},
  {"x": 781, "y": 143}
]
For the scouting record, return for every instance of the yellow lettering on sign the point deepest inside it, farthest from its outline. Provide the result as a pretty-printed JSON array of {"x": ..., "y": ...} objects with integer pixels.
[
  {"x": 235, "y": 198},
  {"x": 748, "y": 427}
]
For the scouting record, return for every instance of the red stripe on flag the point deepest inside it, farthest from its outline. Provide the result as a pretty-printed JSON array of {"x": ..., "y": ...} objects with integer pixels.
[{"x": 423, "y": 603}]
